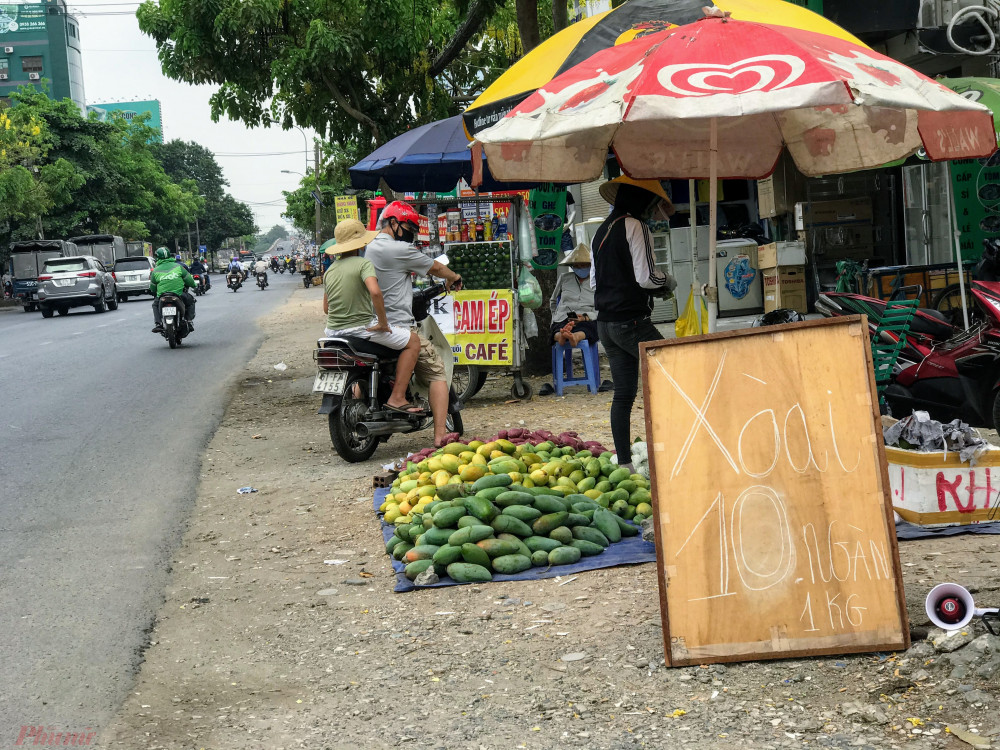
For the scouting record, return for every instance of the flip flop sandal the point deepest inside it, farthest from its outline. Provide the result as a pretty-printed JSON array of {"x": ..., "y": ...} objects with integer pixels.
[
  {"x": 406, "y": 410},
  {"x": 606, "y": 386},
  {"x": 546, "y": 390}
]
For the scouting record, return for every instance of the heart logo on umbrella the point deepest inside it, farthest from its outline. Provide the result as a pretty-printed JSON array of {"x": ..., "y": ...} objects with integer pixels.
[{"x": 761, "y": 73}]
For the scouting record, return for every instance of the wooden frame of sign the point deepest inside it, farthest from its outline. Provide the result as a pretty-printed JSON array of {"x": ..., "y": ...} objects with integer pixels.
[{"x": 774, "y": 526}]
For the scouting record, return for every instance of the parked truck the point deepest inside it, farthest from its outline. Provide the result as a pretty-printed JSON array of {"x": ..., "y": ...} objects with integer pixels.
[
  {"x": 26, "y": 261},
  {"x": 107, "y": 248}
]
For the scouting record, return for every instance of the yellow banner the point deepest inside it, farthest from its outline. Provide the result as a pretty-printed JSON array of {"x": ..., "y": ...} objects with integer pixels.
[
  {"x": 345, "y": 207},
  {"x": 479, "y": 325}
]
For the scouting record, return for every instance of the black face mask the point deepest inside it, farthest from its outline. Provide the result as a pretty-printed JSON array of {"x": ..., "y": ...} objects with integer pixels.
[{"x": 404, "y": 234}]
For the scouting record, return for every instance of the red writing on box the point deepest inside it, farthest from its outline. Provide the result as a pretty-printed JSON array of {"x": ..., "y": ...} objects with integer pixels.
[
  {"x": 481, "y": 315},
  {"x": 50, "y": 736}
]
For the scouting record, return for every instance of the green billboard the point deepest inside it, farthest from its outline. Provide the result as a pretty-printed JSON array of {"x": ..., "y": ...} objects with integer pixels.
[
  {"x": 21, "y": 18},
  {"x": 128, "y": 110}
]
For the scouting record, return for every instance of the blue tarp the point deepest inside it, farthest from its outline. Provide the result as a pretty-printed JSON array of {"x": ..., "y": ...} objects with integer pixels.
[
  {"x": 906, "y": 531},
  {"x": 629, "y": 551}
]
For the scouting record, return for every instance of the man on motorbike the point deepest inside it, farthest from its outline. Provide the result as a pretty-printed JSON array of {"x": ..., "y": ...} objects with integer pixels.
[
  {"x": 170, "y": 276},
  {"x": 354, "y": 306},
  {"x": 394, "y": 257},
  {"x": 274, "y": 264},
  {"x": 198, "y": 269},
  {"x": 234, "y": 269},
  {"x": 260, "y": 269}
]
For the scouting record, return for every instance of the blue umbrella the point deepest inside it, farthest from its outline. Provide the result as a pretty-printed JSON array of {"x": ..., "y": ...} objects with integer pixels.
[{"x": 430, "y": 158}]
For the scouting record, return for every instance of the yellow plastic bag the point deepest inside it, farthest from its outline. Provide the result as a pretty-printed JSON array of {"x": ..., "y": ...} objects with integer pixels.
[{"x": 688, "y": 323}]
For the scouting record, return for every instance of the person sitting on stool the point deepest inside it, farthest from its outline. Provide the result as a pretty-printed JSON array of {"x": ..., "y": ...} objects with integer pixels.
[{"x": 572, "y": 301}]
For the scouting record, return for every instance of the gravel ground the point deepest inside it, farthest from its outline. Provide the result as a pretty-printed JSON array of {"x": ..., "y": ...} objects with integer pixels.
[{"x": 280, "y": 628}]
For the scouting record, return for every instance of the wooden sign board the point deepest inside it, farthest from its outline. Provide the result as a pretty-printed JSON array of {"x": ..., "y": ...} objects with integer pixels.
[{"x": 775, "y": 534}]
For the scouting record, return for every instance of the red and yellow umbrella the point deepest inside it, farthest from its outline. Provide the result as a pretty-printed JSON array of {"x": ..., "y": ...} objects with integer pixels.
[{"x": 631, "y": 20}]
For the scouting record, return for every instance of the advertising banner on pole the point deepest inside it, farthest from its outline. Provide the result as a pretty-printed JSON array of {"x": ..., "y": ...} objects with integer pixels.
[{"x": 345, "y": 207}]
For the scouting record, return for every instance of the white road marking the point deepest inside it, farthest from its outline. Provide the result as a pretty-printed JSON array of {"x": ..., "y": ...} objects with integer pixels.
[
  {"x": 78, "y": 333},
  {"x": 45, "y": 343}
]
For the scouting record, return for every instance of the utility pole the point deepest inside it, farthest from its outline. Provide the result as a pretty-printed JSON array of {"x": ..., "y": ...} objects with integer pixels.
[{"x": 318, "y": 195}]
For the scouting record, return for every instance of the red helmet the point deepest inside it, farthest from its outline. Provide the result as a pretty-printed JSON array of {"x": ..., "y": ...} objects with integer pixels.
[{"x": 402, "y": 212}]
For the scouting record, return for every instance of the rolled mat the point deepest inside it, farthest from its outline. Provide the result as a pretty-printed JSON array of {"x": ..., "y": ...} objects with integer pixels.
[{"x": 629, "y": 551}]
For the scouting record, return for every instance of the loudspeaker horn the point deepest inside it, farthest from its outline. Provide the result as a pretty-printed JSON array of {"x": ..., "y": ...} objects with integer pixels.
[{"x": 951, "y": 607}]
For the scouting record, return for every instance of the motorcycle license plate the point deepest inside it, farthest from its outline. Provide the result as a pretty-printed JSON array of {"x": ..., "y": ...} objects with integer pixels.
[
  {"x": 330, "y": 382},
  {"x": 170, "y": 312}
]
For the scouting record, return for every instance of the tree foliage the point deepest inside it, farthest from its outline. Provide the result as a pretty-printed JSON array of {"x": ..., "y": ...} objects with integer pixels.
[
  {"x": 221, "y": 215},
  {"x": 79, "y": 176},
  {"x": 357, "y": 71},
  {"x": 334, "y": 180}
]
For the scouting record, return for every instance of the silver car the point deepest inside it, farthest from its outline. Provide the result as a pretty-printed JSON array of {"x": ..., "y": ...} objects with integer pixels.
[
  {"x": 76, "y": 281},
  {"x": 132, "y": 276}
]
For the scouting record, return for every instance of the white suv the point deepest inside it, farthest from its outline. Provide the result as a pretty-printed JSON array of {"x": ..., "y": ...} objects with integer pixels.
[{"x": 132, "y": 276}]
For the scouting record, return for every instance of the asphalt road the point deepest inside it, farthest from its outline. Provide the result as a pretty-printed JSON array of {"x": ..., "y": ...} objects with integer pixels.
[{"x": 101, "y": 432}]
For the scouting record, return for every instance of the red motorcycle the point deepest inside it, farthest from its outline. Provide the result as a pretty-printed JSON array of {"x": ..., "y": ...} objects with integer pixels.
[{"x": 943, "y": 369}]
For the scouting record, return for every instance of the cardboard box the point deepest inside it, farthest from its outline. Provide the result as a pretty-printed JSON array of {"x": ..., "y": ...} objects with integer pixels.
[
  {"x": 835, "y": 212},
  {"x": 785, "y": 287},
  {"x": 778, "y": 193},
  {"x": 781, "y": 254}
]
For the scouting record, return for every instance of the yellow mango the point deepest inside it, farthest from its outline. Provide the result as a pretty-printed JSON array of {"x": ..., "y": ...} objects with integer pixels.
[
  {"x": 450, "y": 463},
  {"x": 593, "y": 494},
  {"x": 471, "y": 472},
  {"x": 391, "y": 515},
  {"x": 497, "y": 454},
  {"x": 515, "y": 476},
  {"x": 435, "y": 465},
  {"x": 425, "y": 491},
  {"x": 455, "y": 479},
  {"x": 400, "y": 520},
  {"x": 506, "y": 446},
  {"x": 527, "y": 482},
  {"x": 539, "y": 476},
  {"x": 382, "y": 508},
  {"x": 486, "y": 449},
  {"x": 479, "y": 460},
  {"x": 475, "y": 445},
  {"x": 443, "y": 478},
  {"x": 405, "y": 508},
  {"x": 467, "y": 456}
]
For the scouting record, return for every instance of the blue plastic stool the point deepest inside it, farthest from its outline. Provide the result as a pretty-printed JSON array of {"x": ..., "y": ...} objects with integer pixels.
[{"x": 562, "y": 367}]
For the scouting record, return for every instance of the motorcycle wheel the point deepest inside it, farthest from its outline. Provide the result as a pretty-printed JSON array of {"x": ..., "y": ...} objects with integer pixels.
[
  {"x": 455, "y": 424},
  {"x": 172, "y": 336},
  {"x": 949, "y": 302},
  {"x": 344, "y": 417},
  {"x": 465, "y": 381}
]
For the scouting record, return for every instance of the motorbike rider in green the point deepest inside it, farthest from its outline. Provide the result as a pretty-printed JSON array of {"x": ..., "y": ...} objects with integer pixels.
[{"x": 170, "y": 276}]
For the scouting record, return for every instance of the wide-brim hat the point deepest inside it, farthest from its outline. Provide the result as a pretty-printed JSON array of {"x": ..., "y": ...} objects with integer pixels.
[
  {"x": 350, "y": 234},
  {"x": 609, "y": 190},
  {"x": 579, "y": 254}
]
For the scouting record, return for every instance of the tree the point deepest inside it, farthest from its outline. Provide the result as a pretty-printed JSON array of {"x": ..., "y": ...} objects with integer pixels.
[
  {"x": 221, "y": 215},
  {"x": 334, "y": 180},
  {"x": 351, "y": 70}
]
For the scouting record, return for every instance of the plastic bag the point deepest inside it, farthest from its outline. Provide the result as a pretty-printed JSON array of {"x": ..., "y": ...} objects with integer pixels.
[
  {"x": 688, "y": 324},
  {"x": 530, "y": 324},
  {"x": 529, "y": 291}
]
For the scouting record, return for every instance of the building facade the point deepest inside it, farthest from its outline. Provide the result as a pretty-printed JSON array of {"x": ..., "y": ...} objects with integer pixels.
[{"x": 40, "y": 47}]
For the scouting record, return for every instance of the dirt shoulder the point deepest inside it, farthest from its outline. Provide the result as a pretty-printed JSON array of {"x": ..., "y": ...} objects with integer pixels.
[{"x": 261, "y": 643}]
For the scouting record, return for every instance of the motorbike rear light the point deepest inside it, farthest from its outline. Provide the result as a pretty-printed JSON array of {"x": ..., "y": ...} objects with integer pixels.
[
  {"x": 45, "y": 277},
  {"x": 113, "y": 276},
  {"x": 87, "y": 274}
]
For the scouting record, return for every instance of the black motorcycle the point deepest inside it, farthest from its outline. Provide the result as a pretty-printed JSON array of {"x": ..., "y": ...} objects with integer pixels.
[
  {"x": 234, "y": 280},
  {"x": 355, "y": 377},
  {"x": 261, "y": 280},
  {"x": 175, "y": 325},
  {"x": 200, "y": 286}
]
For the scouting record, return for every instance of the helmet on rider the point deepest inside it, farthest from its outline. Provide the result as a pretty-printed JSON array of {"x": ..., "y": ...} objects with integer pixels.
[
  {"x": 177, "y": 257},
  {"x": 407, "y": 220},
  {"x": 162, "y": 253}
]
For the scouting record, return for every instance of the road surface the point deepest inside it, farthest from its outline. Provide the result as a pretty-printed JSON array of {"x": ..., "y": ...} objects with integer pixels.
[{"x": 101, "y": 432}]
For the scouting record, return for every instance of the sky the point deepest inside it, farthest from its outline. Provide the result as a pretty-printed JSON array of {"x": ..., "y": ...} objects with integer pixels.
[{"x": 120, "y": 64}]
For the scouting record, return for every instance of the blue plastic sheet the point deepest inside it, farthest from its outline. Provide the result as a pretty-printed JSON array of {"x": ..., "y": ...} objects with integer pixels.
[
  {"x": 629, "y": 551},
  {"x": 906, "y": 531}
]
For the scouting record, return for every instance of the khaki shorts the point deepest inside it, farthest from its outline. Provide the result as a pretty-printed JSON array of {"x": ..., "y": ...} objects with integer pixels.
[{"x": 430, "y": 366}]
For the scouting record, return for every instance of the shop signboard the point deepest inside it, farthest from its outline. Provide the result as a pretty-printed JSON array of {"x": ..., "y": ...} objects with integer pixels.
[
  {"x": 479, "y": 326},
  {"x": 15, "y": 18},
  {"x": 345, "y": 207},
  {"x": 774, "y": 526},
  {"x": 816, "y": 6},
  {"x": 975, "y": 185},
  {"x": 547, "y": 207}
]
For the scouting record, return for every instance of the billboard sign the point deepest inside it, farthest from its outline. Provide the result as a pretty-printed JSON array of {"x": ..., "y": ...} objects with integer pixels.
[
  {"x": 20, "y": 18},
  {"x": 128, "y": 110}
]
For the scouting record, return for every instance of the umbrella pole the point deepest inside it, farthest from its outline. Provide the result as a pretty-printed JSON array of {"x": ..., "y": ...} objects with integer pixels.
[
  {"x": 712, "y": 291},
  {"x": 957, "y": 239},
  {"x": 695, "y": 286}
]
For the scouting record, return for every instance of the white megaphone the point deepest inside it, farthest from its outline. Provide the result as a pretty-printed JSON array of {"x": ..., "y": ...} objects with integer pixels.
[{"x": 950, "y": 607}]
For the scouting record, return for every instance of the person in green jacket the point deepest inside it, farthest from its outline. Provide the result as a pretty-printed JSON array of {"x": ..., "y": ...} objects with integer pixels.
[{"x": 170, "y": 277}]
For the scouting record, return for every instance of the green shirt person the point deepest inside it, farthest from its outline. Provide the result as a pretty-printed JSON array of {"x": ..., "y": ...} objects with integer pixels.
[
  {"x": 354, "y": 306},
  {"x": 169, "y": 277}
]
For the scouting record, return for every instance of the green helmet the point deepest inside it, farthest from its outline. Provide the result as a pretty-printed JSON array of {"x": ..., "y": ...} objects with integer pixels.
[{"x": 162, "y": 253}]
